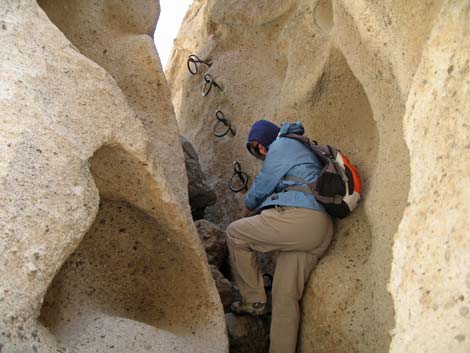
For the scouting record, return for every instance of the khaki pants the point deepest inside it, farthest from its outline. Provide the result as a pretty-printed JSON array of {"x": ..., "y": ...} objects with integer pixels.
[{"x": 302, "y": 237}]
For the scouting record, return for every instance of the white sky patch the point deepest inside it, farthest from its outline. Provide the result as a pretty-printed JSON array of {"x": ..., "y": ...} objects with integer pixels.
[{"x": 171, "y": 15}]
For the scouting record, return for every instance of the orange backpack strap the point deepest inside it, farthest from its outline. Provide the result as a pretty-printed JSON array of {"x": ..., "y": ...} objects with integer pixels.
[{"x": 355, "y": 174}]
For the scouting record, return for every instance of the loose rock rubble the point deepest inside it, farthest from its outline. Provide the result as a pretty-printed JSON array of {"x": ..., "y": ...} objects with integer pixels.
[
  {"x": 227, "y": 289},
  {"x": 246, "y": 334},
  {"x": 200, "y": 194},
  {"x": 213, "y": 240}
]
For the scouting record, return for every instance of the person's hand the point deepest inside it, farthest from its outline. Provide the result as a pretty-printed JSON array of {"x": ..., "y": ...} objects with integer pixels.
[{"x": 246, "y": 211}]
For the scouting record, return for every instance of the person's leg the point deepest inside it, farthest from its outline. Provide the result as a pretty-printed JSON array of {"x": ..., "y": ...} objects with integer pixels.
[
  {"x": 292, "y": 272},
  {"x": 244, "y": 265},
  {"x": 285, "y": 229},
  {"x": 245, "y": 237}
]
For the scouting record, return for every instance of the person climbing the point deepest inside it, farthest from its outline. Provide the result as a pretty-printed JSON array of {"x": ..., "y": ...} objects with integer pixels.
[{"x": 289, "y": 222}]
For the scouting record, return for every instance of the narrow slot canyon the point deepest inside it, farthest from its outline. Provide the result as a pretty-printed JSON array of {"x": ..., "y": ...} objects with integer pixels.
[
  {"x": 116, "y": 172},
  {"x": 346, "y": 306}
]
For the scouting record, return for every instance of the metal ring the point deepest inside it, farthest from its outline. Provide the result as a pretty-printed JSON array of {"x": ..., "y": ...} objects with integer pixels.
[
  {"x": 222, "y": 119},
  {"x": 237, "y": 168},
  {"x": 194, "y": 59},
  {"x": 243, "y": 177},
  {"x": 208, "y": 83}
]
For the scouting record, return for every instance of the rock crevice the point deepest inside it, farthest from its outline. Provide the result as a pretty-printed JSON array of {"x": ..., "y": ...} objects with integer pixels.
[{"x": 344, "y": 68}]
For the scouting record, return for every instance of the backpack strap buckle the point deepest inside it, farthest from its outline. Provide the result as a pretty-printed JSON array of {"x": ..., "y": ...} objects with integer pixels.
[{"x": 303, "y": 186}]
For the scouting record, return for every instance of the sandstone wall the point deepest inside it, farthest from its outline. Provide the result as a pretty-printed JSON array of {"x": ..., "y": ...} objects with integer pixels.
[
  {"x": 431, "y": 275},
  {"x": 93, "y": 217},
  {"x": 345, "y": 69},
  {"x": 117, "y": 35}
]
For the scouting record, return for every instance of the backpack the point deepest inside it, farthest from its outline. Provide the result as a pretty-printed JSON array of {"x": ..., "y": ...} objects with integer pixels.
[{"x": 338, "y": 187}]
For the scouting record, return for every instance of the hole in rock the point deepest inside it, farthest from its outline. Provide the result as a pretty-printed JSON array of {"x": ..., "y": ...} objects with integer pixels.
[
  {"x": 348, "y": 290},
  {"x": 324, "y": 15},
  {"x": 131, "y": 283},
  {"x": 339, "y": 113}
]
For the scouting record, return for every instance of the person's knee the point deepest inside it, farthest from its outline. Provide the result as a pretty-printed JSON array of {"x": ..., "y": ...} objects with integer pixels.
[
  {"x": 234, "y": 229},
  {"x": 232, "y": 234},
  {"x": 231, "y": 230},
  {"x": 235, "y": 235}
]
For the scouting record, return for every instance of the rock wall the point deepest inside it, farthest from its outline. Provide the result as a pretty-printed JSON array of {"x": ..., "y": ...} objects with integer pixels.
[
  {"x": 345, "y": 69},
  {"x": 98, "y": 251},
  {"x": 431, "y": 275},
  {"x": 117, "y": 35},
  {"x": 94, "y": 218}
]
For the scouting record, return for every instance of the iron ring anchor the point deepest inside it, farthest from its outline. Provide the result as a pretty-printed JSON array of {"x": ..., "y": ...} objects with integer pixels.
[
  {"x": 193, "y": 60},
  {"x": 221, "y": 119},
  {"x": 208, "y": 83},
  {"x": 242, "y": 177}
]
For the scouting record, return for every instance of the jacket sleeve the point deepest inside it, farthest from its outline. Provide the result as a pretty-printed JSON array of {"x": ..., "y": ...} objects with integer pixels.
[{"x": 270, "y": 175}]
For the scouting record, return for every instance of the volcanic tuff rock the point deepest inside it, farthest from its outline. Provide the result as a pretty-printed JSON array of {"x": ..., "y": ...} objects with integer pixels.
[
  {"x": 225, "y": 287},
  {"x": 430, "y": 279},
  {"x": 213, "y": 241},
  {"x": 200, "y": 194},
  {"x": 98, "y": 250},
  {"x": 388, "y": 83},
  {"x": 247, "y": 334},
  {"x": 87, "y": 202}
]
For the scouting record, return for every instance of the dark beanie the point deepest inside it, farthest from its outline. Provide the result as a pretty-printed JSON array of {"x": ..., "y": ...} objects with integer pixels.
[{"x": 263, "y": 131}]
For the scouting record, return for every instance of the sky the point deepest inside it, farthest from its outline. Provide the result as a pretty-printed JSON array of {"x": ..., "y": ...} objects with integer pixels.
[{"x": 171, "y": 16}]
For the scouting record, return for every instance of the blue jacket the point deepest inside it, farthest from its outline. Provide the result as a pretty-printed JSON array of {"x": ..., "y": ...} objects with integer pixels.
[{"x": 285, "y": 157}]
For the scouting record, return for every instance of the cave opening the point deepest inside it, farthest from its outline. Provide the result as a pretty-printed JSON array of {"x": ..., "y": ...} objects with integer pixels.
[
  {"x": 131, "y": 282},
  {"x": 339, "y": 113},
  {"x": 355, "y": 311},
  {"x": 324, "y": 15}
]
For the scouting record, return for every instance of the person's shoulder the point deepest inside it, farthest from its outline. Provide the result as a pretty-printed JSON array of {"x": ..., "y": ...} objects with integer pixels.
[
  {"x": 283, "y": 142},
  {"x": 277, "y": 144},
  {"x": 282, "y": 146}
]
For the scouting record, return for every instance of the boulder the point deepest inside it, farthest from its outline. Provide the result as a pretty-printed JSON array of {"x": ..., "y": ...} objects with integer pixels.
[
  {"x": 247, "y": 334},
  {"x": 200, "y": 193},
  {"x": 213, "y": 241},
  {"x": 226, "y": 289}
]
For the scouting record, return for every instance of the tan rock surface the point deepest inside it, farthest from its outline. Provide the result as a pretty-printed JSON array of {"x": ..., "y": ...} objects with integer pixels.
[
  {"x": 117, "y": 36},
  {"x": 97, "y": 249},
  {"x": 69, "y": 138},
  {"x": 431, "y": 269},
  {"x": 345, "y": 69}
]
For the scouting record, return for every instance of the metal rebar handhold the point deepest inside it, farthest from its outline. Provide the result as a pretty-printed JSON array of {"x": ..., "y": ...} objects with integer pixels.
[
  {"x": 208, "y": 83},
  {"x": 242, "y": 177},
  {"x": 221, "y": 119},
  {"x": 193, "y": 60}
]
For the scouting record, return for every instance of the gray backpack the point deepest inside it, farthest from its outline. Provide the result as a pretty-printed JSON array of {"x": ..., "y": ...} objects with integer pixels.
[{"x": 339, "y": 187}]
